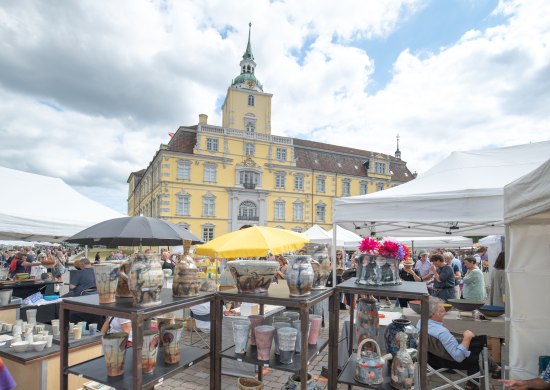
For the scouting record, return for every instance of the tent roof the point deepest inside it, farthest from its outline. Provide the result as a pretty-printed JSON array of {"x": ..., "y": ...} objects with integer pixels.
[
  {"x": 346, "y": 238},
  {"x": 436, "y": 242},
  {"x": 463, "y": 191},
  {"x": 42, "y": 208},
  {"x": 318, "y": 235}
]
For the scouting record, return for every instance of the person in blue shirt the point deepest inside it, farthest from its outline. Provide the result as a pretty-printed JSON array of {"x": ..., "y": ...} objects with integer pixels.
[
  {"x": 464, "y": 353},
  {"x": 541, "y": 383}
]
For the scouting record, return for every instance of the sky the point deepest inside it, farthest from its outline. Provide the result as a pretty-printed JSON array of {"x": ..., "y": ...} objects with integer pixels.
[{"x": 90, "y": 89}]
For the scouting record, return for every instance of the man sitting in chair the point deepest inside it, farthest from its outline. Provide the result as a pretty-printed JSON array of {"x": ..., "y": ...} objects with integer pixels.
[
  {"x": 464, "y": 354},
  {"x": 82, "y": 279}
]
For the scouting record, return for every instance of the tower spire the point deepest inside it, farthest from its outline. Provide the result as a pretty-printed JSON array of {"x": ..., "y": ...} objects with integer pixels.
[
  {"x": 248, "y": 52},
  {"x": 247, "y": 79},
  {"x": 398, "y": 152}
]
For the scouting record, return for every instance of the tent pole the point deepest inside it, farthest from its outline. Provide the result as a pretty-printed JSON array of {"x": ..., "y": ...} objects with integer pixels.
[{"x": 333, "y": 254}]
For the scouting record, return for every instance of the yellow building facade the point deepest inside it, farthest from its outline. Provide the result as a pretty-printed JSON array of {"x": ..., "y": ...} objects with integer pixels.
[{"x": 215, "y": 179}]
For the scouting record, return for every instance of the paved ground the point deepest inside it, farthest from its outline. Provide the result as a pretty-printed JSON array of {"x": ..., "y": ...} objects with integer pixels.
[{"x": 198, "y": 376}]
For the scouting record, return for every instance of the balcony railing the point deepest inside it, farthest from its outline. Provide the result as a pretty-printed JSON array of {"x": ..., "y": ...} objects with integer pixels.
[
  {"x": 248, "y": 218},
  {"x": 249, "y": 186}
]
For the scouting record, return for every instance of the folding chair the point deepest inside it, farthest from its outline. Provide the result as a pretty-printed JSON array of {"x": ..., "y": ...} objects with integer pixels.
[
  {"x": 440, "y": 363},
  {"x": 203, "y": 338}
]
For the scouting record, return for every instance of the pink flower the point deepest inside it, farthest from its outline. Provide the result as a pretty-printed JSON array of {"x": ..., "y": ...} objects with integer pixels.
[
  {"x": 369, "y": 245},
  {"x": 389, "y": 248}
]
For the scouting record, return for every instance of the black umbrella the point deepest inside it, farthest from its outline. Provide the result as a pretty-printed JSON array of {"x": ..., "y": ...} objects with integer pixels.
[{"x": 134, "y": 231}]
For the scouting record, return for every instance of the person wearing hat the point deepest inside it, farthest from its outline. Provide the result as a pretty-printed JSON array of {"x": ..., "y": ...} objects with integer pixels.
[
  {"x": 423, "y": 266},
  {"x": 408, "y": 274}
]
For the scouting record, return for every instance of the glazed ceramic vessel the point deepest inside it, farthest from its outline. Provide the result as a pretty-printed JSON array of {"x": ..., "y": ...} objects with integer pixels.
[
  {"x": 241, "y": 330},
  {"x": 403, "y": 366},
  {"x": 295, "y": 382},
  {"x": 5, "y": 297},
  {"x": 369, "y": 368},
  {"x": 315, "y": 322},
  {"x": 367, "y": 320},
  {"x": 146, "y": 279},
  {"x": 249, "y": 384},
  {"x": 255, "y": 320},
  {"x": 264, "y": 341},
  {"x": 106, "y": 279},
  {"x": 287, "y": 341},
  {"x": 122, "y": 288},
  {"x": 299, "y": 276},
  {"x": 253, "y": 276},
  {"x": 114, "y": 350},
  {"x": 171, "y": 342},
  {"x": 151, "y": 340},
  {"x": 185, "y": 281},
  {"x": 394, "y": 329}
]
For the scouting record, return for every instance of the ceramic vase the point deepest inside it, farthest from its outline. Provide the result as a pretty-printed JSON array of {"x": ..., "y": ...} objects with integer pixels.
[
  {"x": 297, "y": 324},
  {"x": 299, "y": 276},
  {"x": 368, "y": 271},
  {"x": 397, "y": 326},
  {"x": 106, "y": 279},
  {"x": 295, "y": 382},
  {"x": 403, "y": 366},
  {"x": 255, "y": 320},
  {"x": 114, "y": 350},
  {"x": 5, "y": 297},
  {"x": 287, "y": 343},
  {"x": 31, "y": 316},
  {"x": 171, "y": 342},
  {"x": 389, "y": 271},
  {"x": 366, "y": 319},
  {"x": 146, "y": 279},
  {"x": 253, "y": 276},
  {"x": 264, "y": 341},
  {"x": 122, "y": 288},
  {"x": 185, "y": 282},
  {"x": 249, "y": 384},
  {"x": 278, "y": 325},
  {"x": 151, "y": 340},
  {"x": 315, "y": 322},
  {"x": 241, "y": 330},
  {"x": 163, "y": 321}
]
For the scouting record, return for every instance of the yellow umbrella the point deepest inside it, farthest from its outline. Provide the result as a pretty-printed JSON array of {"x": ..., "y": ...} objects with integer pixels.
[{"x": 253, "y": 241}]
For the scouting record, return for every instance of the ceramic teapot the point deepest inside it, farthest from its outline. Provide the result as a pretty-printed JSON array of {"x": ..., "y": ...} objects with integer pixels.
[{"x": 370, "y": 364}]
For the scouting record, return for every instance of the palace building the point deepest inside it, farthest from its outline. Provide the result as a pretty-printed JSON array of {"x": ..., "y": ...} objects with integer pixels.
[{"x": 215, "y": 179}]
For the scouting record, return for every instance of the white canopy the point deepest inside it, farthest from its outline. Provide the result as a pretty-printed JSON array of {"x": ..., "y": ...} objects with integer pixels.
[
  {"x": 318, "y": 235},
  {"x": 42, "y": 208},
  {"x": 436, "y": 242},
  {"x": 527, "y": 218},
  {"x": 346, "y": 239},
  {"x": 461, "y": 195}
]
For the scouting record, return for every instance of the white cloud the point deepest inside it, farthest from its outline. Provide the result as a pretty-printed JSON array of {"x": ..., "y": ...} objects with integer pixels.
[{"x": 88, "y": 90}]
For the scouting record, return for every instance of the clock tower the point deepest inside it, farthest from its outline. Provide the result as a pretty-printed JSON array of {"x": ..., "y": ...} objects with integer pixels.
[{"x": 246, "y": 106}]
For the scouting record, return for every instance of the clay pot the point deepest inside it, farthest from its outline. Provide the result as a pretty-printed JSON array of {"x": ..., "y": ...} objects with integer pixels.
[
  {"x": 249, "y": 384},
  {"x": 299, "y": 276},
  {"x": 253, "y": 276},
  {"x": 171, "y": 342},
  {"x": 145, "y": 279},
  {"x": 106, "y": 279},
  {"x": 151, "y": 340},
  {"x": 185, "y": 282},
  {"x": 264, "y": 341},
  {"x": 114, "y": 350}
]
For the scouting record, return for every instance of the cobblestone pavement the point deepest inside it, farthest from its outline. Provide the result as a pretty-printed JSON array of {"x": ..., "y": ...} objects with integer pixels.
[{"x": 197, "y": 377}]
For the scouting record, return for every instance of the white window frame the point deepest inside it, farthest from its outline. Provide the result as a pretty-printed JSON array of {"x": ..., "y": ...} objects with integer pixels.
[
  {"x": 321, "y": 184},
  {"x": 363, "y": 188},
  {"x": 298, "y": 182},
  {"x": 380, "y": 168},
  {"x": 248, "y": 209},
  {"x": 281, "y": 154},
  {"x": 183, "y": 204},
  {"x": 320, "y": 212},
  {"x": 210, "y": 173},
  {"x": 249, "y": 149},
  {"x": 212, "y": 144},
  {"x": 346, "y": 187},
  {"x": 279, "y": 210},
  {"x": 184, "y": 170},
  {"x": 207, "y": 232},
  {"x": 251, "y": 100},
  {"x": 280, "y": 180},
  {"x": 379, "y": 186},
  {"x": 298, "y": 211},
  {"x": 208, "y": 206}
]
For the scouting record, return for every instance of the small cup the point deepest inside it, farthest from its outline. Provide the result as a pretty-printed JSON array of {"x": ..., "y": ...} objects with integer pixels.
[
  {"x": 39, "y": 328},
  {"x": 82, "y": 324},
  {"x": 93, "y": 329},
  {"x": 55, "y": 322},
  {"x": 77, "y": 332},
  {"x": 71, "y": 327},
  {"x": 49, "y": 340},
  {"x": 17, "y": 329},
  {"x": 55, "y": 330},
  {"x": 8, "y": 327},
  {"x": 45, "y": 332}
]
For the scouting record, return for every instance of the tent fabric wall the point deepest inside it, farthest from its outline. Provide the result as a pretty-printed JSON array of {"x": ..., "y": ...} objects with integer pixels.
[
  {"x": 436, "y": 242},
  {"x": 465, "y": 190},
  {"x": 527, "y": 217},
  {"x": 42, "y": 208}
]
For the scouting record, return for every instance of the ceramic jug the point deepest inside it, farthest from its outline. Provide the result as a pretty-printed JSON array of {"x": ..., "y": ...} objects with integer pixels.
[
  {"x": 402, "y": 368},
  {"x": 370, "y": 364},
  {"x": 145, "y": 279},
  {"x": 392, "y": 330},
  {"x": 185, "y": 281},
  {"x": 299, "y": 276},
  {"x": 122, "y": 288}
]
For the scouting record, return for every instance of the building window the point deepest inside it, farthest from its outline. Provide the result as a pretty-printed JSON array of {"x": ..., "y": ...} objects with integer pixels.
[
  {"x": 251, "y": 100},
  {"x": 248, "y": 179},
  {"x": 320, "y": 212},
  {"x": 379, "y": 186},
  {"x": 346, "y": 185},
  {"x": 281, "y": 154},
  {"x": 249, "y": 149},
  {"x": 250, "y": 127},
  {"x": 208, "y": 206},
  {"x": 298, "y": 183},
  {"x": 184, "y": 170},
  {"x": 363, "y": 188},
  {"x": 280, "y": 180},
  {"x": 279, "y": 210},
  {"x": 298, "y": 211},
  {"x": 207, "y": 232},
  {"x": 297, "y": 229},
  {"x": 210, "y": 173},
  {"x": 380, "y": 168},
  {"x": 248, "y": 211},
  {"x": 320, "y": 184},
  {"x": 183, "y": 202},
  {"x": 212, "y": 144}
]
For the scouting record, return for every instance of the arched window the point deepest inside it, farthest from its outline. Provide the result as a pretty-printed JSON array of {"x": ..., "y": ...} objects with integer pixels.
[
  {"x": 248, "y": 211},
  {"x": 251, "y": 100}
]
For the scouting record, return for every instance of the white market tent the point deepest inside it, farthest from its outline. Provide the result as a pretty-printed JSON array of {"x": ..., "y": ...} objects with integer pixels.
[
  {"x": 463, "y": 194},
  {"x": 346, "y": 239},
  {"x": 318, "y": 235},
  {"x": 527, "y": 219},
  {"x": 42, "y": 208},
  {"x": 436, "y": 242}
]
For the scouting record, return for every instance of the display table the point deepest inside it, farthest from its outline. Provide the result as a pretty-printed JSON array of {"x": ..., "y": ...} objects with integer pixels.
[
  {"x": 40, "y": 370},
  {"x": 23, "y": 289},
  {"x": 492, "y": 328}
]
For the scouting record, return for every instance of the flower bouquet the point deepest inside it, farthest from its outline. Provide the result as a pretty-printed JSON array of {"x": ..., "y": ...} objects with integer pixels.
[{"x": 378, "y": 263}]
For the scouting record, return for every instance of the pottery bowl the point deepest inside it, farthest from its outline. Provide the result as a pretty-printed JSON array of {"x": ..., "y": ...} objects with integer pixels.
[
  {"x": 465, "y": 304},
  {"x": 22, "y": 276},
  {"x": 447, "y": 306},
  {"x": 20, "y": 346},
  {"x": 415, "y": 305},
  {"x": 253, "y": 276},
  {"x": 491, "y": 311},
  {"x": 38, "y": 345}
]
